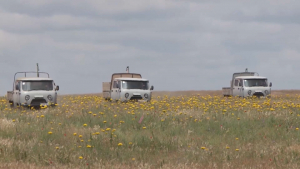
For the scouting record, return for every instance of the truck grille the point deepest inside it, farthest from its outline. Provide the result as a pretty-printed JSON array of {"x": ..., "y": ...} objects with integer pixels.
[
  {"x": 136, "y": 98},
  {"x": 258, "y": 94},
  {"x": 37, "y": 102}
]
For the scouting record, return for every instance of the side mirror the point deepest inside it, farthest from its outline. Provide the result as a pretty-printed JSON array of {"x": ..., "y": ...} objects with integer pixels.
[
  {"x": 118, "y": 86},
  {"x": 57, "y": 88},
  {"x": 270, "y": 84},
  {"x": 152, "y": 87},
  {"x": 17, "y": 87}
]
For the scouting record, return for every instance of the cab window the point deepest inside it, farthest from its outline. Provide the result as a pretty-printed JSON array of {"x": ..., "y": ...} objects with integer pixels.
[
  {"x": 17, "y": 85},
  {"x": 115, "y": 85},
  {"x": 240, "y": 83},
  {"x": 236, "y": 82}
]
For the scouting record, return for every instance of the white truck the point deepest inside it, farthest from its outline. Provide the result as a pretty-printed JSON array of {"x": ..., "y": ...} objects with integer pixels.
[
  {"x": 127, "y": 87},
  {"x": 33, "y": 91},
  {"x": 246, "y": 84}
]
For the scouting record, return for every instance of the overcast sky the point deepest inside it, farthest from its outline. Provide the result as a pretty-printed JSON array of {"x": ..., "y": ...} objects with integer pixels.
[{"x": 176, "y": 44}]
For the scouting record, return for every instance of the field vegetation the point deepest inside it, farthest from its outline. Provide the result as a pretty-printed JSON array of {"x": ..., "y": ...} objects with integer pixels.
[{"x": 175, "y": 130}]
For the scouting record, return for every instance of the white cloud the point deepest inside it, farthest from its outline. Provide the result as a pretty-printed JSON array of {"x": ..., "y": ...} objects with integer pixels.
[
  {"x": 177, "y": 44},
  {"x": 15, "y": 42}
]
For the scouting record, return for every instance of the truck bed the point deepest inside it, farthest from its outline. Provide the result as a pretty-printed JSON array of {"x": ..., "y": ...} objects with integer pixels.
[
  {"x": 106, "y": 90},
  {"x": 226, "y": 91},
  {"x": 106, "y": 95},
  {"x": 10, "y": 96}
]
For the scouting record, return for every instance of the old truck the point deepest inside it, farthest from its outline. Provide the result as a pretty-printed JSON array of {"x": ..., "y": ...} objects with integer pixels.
[
  {"x": 127, "y": 87},
  {"x": 247, "y": 84},
  {"x": 33, "y": 91}
]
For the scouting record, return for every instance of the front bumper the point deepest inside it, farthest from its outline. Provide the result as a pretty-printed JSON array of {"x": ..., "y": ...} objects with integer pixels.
[
  {"x": 38, "y": 104},
  {"x": 136, "y": 97}
]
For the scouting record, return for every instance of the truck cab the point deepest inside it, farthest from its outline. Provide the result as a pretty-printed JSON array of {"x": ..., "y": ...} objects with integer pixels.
[
  {"x": 33, "y": 92},
  {"x": 127, "y": 87},
  {"x": 247, "y": 84}
]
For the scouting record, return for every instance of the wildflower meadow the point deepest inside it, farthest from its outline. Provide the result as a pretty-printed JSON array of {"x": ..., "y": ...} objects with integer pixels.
[{"x": 182, "y": 131}]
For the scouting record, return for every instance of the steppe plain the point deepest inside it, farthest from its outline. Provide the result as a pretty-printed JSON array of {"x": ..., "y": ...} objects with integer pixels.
[{"x": 182, "y": 129}]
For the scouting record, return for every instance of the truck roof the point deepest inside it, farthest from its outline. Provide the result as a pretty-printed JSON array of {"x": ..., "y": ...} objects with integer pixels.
[
  {"x": 251, "y": 77},
  {"x": 128, "y": 75},
  {"x": 33, "y": 78},
  {"x": 131, "y": 79}
]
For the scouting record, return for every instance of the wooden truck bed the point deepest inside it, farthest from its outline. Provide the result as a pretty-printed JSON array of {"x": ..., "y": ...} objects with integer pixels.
[
  {"x": 106, "y": 90},
  {"x": 226, "y": 91},
  {"x": 10, "y": 95}
]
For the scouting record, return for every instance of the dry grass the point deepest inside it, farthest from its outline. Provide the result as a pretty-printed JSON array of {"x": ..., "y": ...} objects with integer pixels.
[
  {"x": 217, "y": 92},
  {"x": 200, "y": 92}
]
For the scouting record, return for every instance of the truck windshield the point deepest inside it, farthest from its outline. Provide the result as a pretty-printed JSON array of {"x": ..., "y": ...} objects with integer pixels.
[
  {"x": 255, "y": 82},
  {"x": 144, "y": 85},
  {"x": 37, "y": 85}
]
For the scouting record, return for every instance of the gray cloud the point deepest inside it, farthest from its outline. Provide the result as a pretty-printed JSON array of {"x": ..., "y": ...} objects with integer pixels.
[{"x": 177, "y": 44}]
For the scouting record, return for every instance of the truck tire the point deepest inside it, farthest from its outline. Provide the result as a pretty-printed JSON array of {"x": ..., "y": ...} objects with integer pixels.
[
  {"x": 14, "y": 105},
  {"x": 11, "y": 104}
]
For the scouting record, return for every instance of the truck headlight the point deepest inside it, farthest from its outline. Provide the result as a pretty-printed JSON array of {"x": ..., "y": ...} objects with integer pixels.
[
  {"x": 49, "y": 97},
  {"x": 146, "y": 95},
  {"x": 126, "y": 95},
  {"x": 249, "y": 92},
  {"x": 266, "y": 92},
  {"x": 27, "y": 97}
]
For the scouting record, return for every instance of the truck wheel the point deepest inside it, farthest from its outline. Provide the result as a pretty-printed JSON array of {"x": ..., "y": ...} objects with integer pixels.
[
  {"x": 14, "y": 105},
  {"x": 107, "y": 99},
  {"x": 11, "y": 104}
]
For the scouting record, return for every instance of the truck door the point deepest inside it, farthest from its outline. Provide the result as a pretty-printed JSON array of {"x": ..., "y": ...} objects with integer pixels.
[
  {"x": 115, "y": 92},
  {"x": 235, "y": 89},
  {"x": 17, "y": 93},
  {"x": 241, "y": 88},
  {"x": 118, "y": 90}
]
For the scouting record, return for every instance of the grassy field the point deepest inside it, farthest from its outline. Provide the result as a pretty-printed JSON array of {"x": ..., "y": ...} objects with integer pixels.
[{"x": 188, "y": 129}]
